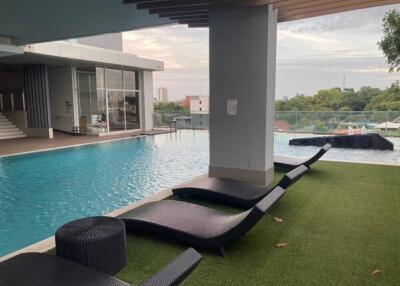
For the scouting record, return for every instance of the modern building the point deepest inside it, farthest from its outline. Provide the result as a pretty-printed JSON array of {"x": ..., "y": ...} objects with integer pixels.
[
  {"x": 76, "y": 88},
  {"x": 162, "y": 93}
]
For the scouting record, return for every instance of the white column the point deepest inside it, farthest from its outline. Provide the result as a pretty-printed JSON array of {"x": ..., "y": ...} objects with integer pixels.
[
  {"x": 242, "y": 73},
  {"x": 146, "y": 100}
]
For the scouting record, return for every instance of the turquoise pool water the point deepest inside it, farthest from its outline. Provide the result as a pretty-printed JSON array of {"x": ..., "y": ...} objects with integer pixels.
[{"x": 39, "y": 192}]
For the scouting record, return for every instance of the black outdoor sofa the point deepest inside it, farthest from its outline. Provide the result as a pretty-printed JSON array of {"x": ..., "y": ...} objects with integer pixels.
[
  {"x": 290, "y": 163},
  {"x": 197, "y": 225},
  {"x": 233, "y": 192},
  {"x": 39, "y": 269}
]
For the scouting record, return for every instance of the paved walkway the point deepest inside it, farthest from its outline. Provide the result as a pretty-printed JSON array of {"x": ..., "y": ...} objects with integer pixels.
[{"x": 13, "y": 146}]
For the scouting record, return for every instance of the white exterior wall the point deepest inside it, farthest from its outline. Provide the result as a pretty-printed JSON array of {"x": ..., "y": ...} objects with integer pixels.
[
  {"x": 200, "y": 105},
  {"x": 62, "y": 103},
  {"x": 94, "y": 55},
  {"x": 146, "y": 100},
  {"x": 242, "y": 69}
]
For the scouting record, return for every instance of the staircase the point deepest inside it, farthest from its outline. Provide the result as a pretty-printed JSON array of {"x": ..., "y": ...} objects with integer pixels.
[{"x": 8, "y": 130}]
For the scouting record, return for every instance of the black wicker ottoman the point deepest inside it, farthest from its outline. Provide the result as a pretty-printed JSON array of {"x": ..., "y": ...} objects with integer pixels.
[{"x": 98, "y": 242}]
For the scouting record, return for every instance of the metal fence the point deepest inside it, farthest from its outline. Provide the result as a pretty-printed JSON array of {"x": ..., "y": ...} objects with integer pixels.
[
  {"x": 327, "y": 122},
  {"x": 337, "y": 122},
  {"x": 180, "y": 120}
]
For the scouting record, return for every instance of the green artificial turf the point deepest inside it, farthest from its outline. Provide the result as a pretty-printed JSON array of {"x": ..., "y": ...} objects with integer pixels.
[{"x": 341, "y": 222}]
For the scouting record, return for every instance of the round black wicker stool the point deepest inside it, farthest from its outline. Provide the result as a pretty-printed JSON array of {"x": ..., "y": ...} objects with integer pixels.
[{"x": 98, "y": 242}]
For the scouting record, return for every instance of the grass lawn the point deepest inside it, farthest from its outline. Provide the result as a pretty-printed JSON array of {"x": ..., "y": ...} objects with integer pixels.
[{"x": 341, "y": 222}]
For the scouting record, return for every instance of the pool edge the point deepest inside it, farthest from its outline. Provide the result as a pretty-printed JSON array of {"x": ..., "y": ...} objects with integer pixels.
[
  {"x": 49, "y": 243},
  {"x": 70, "y": 146}
]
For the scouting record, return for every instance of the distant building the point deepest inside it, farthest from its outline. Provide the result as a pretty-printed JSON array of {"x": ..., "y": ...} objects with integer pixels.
[
  {"x": 281, "y": 125},
  {"x": 162, "y": 93},
  {"x": 197, "y": 104},
  {"x": 285, "y": 98}
]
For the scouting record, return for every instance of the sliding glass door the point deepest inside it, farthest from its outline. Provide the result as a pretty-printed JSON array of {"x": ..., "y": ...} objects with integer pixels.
[
  {"x": 131, "y": 100},
  {"x": 92, "y": 105},
  {"x": 122, "y": 95}
]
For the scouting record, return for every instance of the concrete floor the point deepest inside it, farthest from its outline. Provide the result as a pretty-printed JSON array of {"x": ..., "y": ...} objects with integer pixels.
[{"x": 13, "y": 146}]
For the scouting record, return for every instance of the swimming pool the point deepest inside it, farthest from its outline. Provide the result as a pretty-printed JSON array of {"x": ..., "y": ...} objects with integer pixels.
[{"x": 41, "y": 191}]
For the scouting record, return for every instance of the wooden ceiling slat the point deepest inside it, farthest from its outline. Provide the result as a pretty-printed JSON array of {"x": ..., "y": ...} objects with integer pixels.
[
  {"x": 286, "y": 4},
  {"x": 316, "y": 5},
  {"x": 330, "y": 8}
]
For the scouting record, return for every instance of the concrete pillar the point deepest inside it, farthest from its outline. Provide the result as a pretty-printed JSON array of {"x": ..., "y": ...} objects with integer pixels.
[
  {"x": 146, "y": 100},
  {"x": 242, "y": 93}
]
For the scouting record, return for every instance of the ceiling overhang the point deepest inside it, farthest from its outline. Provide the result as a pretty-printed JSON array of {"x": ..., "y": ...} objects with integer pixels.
[
  {"x": 34, "y": 21},
  {"x": 195, "y": 13}
]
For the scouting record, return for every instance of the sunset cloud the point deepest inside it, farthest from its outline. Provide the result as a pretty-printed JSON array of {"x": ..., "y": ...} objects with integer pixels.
[{"x": 312, "y": 54}]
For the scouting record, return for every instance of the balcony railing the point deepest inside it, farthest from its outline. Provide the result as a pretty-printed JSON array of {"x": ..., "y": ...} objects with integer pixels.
[{"x": 320, "y": 122}]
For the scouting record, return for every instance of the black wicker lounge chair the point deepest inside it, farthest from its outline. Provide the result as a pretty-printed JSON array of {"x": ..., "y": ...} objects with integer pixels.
[
  {"x": 289, "y": 163},
  {"x": 197, "y": 225},
  {"x": 235, "y": 192},
  {"x": 39, "y": 269}
]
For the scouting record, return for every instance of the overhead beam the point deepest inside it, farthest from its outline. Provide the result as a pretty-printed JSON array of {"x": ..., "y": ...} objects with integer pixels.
[
  {"x": 190, "y": 17},
  {"x": 172, "y": 3},
  {"x": 190, "y": 13},
  {"x": 198, "y": 25},
  {"x": 194, "y": 21},
  {"x": 201, "y": 7},
  {"x": 136, "y": 1},
  {"x": 179, "y": 10}
]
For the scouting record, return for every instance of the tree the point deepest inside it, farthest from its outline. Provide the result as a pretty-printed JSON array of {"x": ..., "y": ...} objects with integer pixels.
[
  {"x": 388, "y": 100},
  {"x": 365, "y": 99},
  {"x": 167, "y": 106},
  {"x": 328, "y": 99},
  {"x": 390, "y": 43}
]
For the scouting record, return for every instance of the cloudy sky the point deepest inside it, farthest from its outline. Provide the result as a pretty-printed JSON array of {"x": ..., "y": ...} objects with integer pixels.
[{"x": 313, "y": 54}]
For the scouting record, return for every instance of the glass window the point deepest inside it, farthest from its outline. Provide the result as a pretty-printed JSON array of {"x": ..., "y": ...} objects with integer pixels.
[
  {"x": 92, "y": 103},
  {"x": 116, "y": 110},
  {"x": 132, "y": 110},
  {"x": 114, "y": 79},
  {"x": 100, "y": 77},
  {"x": 130, "y": 80},
  {"x": 119, "y": 90}
]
